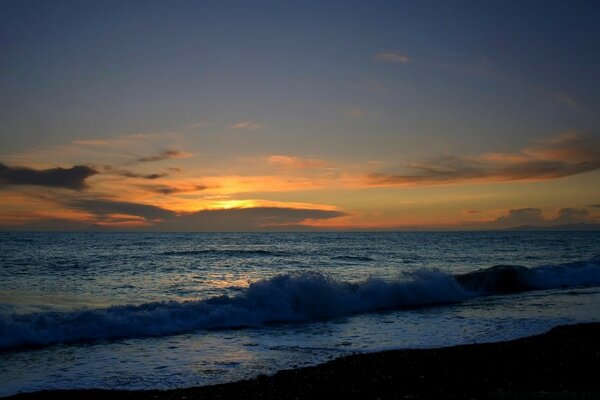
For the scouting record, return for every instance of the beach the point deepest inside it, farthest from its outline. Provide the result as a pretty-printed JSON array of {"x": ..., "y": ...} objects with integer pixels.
[{"x": 560, "y": 364}]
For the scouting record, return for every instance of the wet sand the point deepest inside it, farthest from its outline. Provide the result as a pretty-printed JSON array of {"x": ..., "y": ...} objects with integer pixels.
[{"x": 561, "y": 364}]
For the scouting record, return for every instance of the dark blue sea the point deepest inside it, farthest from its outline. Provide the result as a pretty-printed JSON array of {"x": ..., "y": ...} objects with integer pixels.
[{"x": 168, "y": 310}]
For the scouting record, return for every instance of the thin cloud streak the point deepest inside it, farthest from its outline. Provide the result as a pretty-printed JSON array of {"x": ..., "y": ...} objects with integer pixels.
[
  {"x": 246, "y": 126},
  {"x": 167, "y": 190},
  {"x": 165, "y": 155},
  {"x": 118, "y": 141},
  {"x": 296, "y": 162},
  {"x": 557, "y": 157},
  {"x": 103, "y": 208},
  {"x": 108, "y": 169}
]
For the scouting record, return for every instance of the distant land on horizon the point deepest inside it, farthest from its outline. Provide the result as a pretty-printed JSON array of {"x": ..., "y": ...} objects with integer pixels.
[
  {"x": 564, "y": 227},
  {"x": 578, "y": 227}
]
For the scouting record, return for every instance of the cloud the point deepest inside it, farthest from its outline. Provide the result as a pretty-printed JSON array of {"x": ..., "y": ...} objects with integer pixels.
[
  {"x": 247, "y": 219},
  {"x": 552, "y": 158},
  {"x": 395, "y": 58},
  {"x": 245, "y": 125},
  {"x": 471, "y": 211},
  {"x": 130, "y": 174},
  {"x": 92, "y": 142},
  {"x": 519, "y": 217},
  {"x": 105, "y": 208},
  {"x": 566, "y": 100},
  {"x": 571, "y": 216},
  {"x": 165, "y": 155},
  {"x": 118, "y": 141},
  {"x": 296, "y": 162},
  {"x": 535, "y": 217},
  {"x": 51, "y": 224},
  {"x": 68, "y": 178},
  {"x": 165, "y": 189}
]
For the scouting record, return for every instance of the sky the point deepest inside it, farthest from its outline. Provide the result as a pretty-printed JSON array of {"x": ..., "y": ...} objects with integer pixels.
[{"x": 308, "y": 115}]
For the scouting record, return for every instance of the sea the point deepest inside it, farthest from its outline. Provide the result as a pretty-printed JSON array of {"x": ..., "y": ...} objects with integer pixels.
[{"x": 172, "y": 310}]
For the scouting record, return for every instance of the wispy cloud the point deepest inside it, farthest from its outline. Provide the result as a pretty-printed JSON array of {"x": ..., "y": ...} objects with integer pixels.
[
  {"x": 519, "y": 217},
  {"x": 165, "y": 155},
  {"x": 102, "y": 208},
  {"x": 296, "y": 162},
  {"x": 68, "y": 178},
  {"x": 535, "y": 217},
  {"x": 166, "y": 189},
  {"x": 565, "y": 99},
  {"x": 390, "y": 57},
  {"x": 556, "y": 157},
  {"x": 249, "y": 219},
  {"x": 245, "y": 125},
  {"x": 130, "y": 174},
  {"x": 119, "y": 141},
  {"x": 246, "y": 216},
  {"x": 571, "y": 215},
  {"x": 108, "y": 169}
]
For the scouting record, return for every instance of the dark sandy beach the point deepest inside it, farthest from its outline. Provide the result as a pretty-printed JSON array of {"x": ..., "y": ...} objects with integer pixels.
[{"x": 561, "y": 364}]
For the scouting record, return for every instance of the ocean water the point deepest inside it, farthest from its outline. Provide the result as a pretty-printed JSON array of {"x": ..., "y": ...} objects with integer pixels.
[{"x": 168, "y": 310}]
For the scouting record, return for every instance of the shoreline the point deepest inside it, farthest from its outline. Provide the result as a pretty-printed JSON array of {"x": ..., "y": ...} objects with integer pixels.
[{"x": 561, "y": 363}]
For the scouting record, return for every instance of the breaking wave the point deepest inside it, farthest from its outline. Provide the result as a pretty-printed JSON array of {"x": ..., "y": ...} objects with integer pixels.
[{"x": 303, "y": 296}]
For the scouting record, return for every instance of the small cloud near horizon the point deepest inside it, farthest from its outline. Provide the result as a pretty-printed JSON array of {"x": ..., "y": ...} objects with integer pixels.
[{"x": 534, "y": 217}]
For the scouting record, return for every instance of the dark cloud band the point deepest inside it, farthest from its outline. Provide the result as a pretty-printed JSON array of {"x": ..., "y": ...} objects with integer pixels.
[{"x": 68, "y": 178}]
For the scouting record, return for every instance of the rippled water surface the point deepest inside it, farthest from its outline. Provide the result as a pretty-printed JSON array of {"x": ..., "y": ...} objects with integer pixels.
[{"x": 148, "y": 310}]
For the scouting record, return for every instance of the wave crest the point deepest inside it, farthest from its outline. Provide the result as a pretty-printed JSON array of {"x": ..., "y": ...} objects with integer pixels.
[{"x": 303, "y": 296}]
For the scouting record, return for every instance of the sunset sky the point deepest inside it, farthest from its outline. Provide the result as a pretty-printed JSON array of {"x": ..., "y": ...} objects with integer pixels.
[{"x": 260, "y": 115}]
